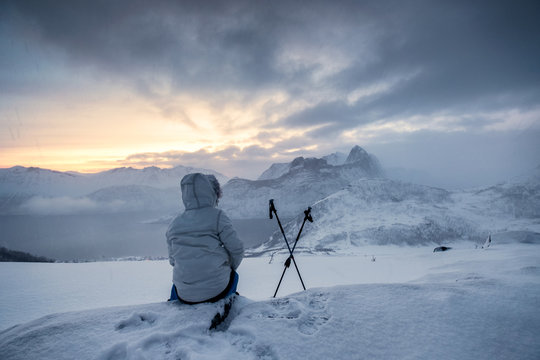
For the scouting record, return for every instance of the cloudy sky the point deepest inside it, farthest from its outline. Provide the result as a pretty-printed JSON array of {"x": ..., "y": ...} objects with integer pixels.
[{"x": 448, "y": 88}]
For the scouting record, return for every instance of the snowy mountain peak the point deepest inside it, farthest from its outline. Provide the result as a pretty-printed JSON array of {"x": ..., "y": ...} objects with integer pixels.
[
  {"x": 359, "y": 157},
  {"x": 296, "y": 185},
  {"x": 357, "y": 154}
]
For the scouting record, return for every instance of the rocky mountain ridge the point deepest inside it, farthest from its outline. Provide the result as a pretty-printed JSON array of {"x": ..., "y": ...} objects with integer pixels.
[
  {"x": 366, "y": 163},
  {"x": 298, "y": 184}
]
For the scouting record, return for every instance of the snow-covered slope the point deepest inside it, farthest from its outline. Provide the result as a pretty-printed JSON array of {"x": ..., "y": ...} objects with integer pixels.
[
  {"x": 244, "y": 199},
  {"x": 275, "y": 171},
  {"x": 520, "y": 200},
  {"x": 382, "y": 211},
  {"x": 408, "y": 304},
  {"x": 377, "y": 211}
]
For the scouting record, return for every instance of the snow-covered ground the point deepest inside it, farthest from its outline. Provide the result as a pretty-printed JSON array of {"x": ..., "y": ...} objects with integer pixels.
[{"x": 384, "y": 302}]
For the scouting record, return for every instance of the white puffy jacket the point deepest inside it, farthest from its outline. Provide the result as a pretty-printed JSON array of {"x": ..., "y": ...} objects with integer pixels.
[{"x": 203, "y": 246}]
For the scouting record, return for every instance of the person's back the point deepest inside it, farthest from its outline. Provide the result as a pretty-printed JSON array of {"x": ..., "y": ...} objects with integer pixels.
[{"x": 203, "y": 246}]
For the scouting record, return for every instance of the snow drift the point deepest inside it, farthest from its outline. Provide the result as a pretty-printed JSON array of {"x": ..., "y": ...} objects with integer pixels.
[{"x": 463, "y": 304}]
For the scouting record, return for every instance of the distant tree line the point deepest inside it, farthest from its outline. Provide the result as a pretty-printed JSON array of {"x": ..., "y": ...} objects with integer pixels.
[{"x": 7, "y": 255}]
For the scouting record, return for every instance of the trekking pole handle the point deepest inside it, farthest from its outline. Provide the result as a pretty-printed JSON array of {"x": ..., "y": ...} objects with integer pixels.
[
  {"x": 271, "y": 208},
  {"x": 307, "y": 214}
]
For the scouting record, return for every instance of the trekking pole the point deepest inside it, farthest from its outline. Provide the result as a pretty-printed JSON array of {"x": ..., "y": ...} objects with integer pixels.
[
  {"x": 272, "y": 208},
  {"x": 307, "y": 216}
]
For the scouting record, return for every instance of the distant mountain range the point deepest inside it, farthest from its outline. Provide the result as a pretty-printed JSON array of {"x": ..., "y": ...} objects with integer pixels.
[
  {"x": 305, "y": 180},
  {"x": 39, "y": 181},
  {"x": 35, "y": 190},
  {"x": 353, "y": 202}
]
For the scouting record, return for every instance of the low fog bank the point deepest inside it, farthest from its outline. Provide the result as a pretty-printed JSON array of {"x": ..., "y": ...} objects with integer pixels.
[{"x": 460, "y": 160}]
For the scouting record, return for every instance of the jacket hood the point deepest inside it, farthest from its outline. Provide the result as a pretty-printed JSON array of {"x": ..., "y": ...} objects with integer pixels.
[{"x": 197, "y": 191}]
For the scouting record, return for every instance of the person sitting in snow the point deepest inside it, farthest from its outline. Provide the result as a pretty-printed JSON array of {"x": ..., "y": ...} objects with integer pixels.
[{"x": 204, "y": 249}]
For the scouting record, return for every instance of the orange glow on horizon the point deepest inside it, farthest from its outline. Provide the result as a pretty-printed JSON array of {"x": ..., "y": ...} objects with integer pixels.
[{"x": 99, "y": 135}]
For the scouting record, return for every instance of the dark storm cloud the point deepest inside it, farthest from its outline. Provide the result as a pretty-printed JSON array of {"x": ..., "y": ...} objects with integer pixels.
[
  {"x": 465, "y": 49},
  {"x": 322, "y": 113},
  {"x": 198, "y": 45},
  {"x": 455, "y": 57},
  {"x": 465, "y": 57}
]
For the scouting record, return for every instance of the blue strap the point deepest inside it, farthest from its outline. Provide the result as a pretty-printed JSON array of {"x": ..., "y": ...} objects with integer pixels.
[
  {"x": 232, "y": 290},
  {"x": 174, "y": 295}
]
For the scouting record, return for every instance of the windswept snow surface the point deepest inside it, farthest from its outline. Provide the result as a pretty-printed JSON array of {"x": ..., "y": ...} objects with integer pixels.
[{"x": 388, "y": 303}]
